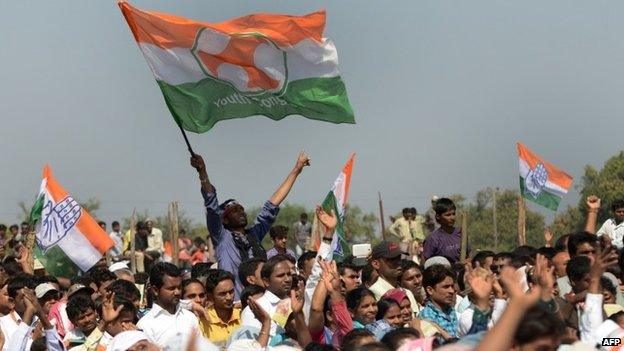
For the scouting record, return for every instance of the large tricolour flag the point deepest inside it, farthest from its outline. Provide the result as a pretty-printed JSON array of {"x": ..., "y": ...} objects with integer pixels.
[
  {"x": 69, "y": 240},
  {"x": 335, "y": 201},
  {"x": 261, "y": 64},
  {"x": 540, "y": 181}
]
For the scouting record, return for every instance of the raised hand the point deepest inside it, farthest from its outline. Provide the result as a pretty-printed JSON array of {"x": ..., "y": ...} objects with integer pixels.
[
  {"x": 296, "y": 302},
  {"x": 197, "y": 162},
  {"x": 511, "y": 280},
  {"x": 330, "y": 276},
  {"x": 593, "y": 203},
  {"x": 499, "y": 293},
  {"x": 258, "y": 311},
  {"x": 481, "y": 287},
  {"x": 109, "y": 312},
  {"x": 548, "y": 236},
  {"x": 24, "y": 259},
  {"x": 328, "y": 220},
  {"x": 302, "y": 161},
  {"x": 607, "y": 258}
]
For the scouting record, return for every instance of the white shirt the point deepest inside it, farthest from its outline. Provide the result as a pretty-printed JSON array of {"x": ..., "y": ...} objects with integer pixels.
[
  {"x": 118, "y": 240},
  {"x": 614, "y": 231},
  {"x": 9, "y": 325},
  {"x": 465, "y": 317},
  {"x": 155, "y": 241},
  {"x": 161, "y": 327},
  {"x": 591, "y": 318},
  {"x": 326, "y": 253},
  {"x": 268, "y": 302}
]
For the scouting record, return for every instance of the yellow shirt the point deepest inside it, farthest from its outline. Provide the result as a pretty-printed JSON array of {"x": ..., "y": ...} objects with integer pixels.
[{"x": 217, "y": 330}]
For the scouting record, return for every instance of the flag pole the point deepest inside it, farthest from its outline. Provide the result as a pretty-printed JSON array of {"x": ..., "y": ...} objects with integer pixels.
[
  {"x": 521, "y": 221},
  {"x": 464, "y": 236},
  {"x": 381, "y": 216},
  {"x": 188, "y": 145}
]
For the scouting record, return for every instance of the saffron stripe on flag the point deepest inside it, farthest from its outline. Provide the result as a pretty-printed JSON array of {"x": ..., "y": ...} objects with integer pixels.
[
  {"x": 174, "y": 31},
  {"x": 555, "y": 175}
]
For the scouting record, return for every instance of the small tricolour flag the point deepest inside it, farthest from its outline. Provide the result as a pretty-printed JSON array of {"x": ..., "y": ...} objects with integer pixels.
[
  {"x": 69, "y": 240},
  {"x": 540, "y": 181},
  {"x": 261, "y": 64},
  {"x": 336, "y": 201}
]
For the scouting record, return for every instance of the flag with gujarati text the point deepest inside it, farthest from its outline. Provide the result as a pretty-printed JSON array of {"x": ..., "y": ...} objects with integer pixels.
[
  {"x": 69, "y": 240},
  {"x": 336, "y": 200},
  {"x": 261, "y": 64},
  {"x": 540, "y": 181}
]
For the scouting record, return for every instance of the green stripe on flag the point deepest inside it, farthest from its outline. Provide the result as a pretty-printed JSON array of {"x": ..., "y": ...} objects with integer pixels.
[
  {"x": 56, "y": 263},
  {"x": 35, "y": 211},
  {"x": 330, "y": 204},
  {"x": 546, "y": 199},
  {"x": 198, "y": 106}
]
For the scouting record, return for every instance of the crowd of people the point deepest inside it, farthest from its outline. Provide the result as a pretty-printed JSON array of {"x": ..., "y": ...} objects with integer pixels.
[{"x": 413, "y": 293}]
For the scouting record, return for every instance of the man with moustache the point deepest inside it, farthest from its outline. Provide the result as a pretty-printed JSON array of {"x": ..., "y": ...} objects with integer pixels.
[
  {"x": 227, "y": 222},
  {"x": 167, "y": 322},
  {"x": 386, "y": 260}
]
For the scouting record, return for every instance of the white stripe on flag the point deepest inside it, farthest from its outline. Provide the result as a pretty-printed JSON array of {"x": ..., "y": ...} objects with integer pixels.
[
  {"x": 306, "y": 59},
  {"x": 79, "y": 249},
  {"x": 174, "y": 66},
  {"x": 550, "y": 186}
]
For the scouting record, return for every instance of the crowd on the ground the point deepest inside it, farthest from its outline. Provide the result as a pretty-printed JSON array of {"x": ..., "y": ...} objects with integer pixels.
[{"x": 413, "y": 293}]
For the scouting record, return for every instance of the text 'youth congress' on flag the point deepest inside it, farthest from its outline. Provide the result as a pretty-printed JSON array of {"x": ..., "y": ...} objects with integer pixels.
[
  {"x": 540, "y": 181},
  {"x": 336, "y": 201},
  {"x": 261, "y": 64},
  {"x": 69, "y": 240}
]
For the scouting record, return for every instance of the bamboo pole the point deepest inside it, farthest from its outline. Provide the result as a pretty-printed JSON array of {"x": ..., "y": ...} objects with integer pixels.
[
  {"x": 174, "y": 232},
  {"x": 494, "y": 217},
  {"x": 521, "y": 221},
  {"x": 132, "y": 243},
  {"x": 381, "y": 216},
  {"x": 464, "y": 235}
]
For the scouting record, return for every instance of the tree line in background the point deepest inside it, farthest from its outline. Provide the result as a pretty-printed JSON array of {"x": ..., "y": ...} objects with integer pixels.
[{"x": 363, "y": 227}]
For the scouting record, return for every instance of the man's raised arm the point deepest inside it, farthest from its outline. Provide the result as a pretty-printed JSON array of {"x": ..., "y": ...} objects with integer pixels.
[
  {"x": 280, "y": 194},
  {"x": 198, "y": 163},
  {"x": 213, "y": 217}
]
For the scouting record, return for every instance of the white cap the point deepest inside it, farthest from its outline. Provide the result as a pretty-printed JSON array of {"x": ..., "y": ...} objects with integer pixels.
[
  {"x": 125, "y": 340},
  {"x": 437, "y": 260},
  {"x": 118, "y": 265},
  {"x": 43, "y": 289},
  {"x": 435, "y": 198}
]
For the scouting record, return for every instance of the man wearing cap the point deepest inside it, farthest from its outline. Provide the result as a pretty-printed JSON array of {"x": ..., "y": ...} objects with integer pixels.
[
  {"x": 227, "y": 222},
  {"x": 47, "y": 295},
  {"x": 386, "y": 260}
]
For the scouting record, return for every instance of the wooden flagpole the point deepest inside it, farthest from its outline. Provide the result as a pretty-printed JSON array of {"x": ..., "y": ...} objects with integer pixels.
[
  {"x": 521, "y": 221},
  {"x": 132, "y": 243},
  {"x": 381, "y": 216},
  {"x": 464, "y": 235},
  {"x": 174, "y": 232}
]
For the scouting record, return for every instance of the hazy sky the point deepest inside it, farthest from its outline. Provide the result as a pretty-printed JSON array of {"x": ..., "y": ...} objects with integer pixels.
[{"x": 441, "y": 90}]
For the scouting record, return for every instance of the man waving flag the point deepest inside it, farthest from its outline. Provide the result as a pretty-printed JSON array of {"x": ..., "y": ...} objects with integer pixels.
[{"x": 261, "y": 64}]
